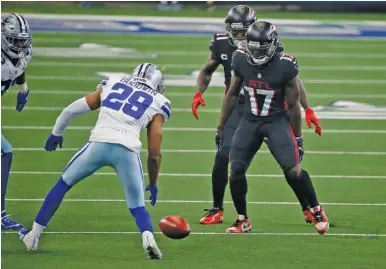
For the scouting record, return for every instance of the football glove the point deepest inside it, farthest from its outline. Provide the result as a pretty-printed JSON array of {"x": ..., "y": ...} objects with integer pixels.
[
  {"x": 197, "y": 101},
  {"x": 153, "y": 193},
  {"x": 53, "y": 141},
  {"x": 311, "y": 118},
  {"x": 21, "y": 100},
  {"x": 299, "y": 140}
]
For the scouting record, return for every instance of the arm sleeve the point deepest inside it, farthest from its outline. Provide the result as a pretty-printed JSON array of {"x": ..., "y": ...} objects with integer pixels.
[
  {"x": 292, "y": 67},
  {"x": 212, "y": 48},
  {"x": 78, "y": 107}
]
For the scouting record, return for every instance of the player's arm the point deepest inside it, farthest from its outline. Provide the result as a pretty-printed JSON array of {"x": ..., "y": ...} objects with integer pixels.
[
  {"x": 154, "y": 141},
  {"x": 22, "y": 95},
  {"x": 292, "y": 92}
]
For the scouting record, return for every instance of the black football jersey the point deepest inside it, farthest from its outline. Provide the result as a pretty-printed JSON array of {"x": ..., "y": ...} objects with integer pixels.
[{"x": 264, "y": 86}]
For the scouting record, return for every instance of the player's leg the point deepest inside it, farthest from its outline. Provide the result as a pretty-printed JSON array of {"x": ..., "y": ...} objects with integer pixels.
[
  {"x": 85, "y": 162},
  {"x": 6, "y": 162},
  {"x": 246, "y": 142},
  {"x": 220, "y": 169},
  {"x": 283, "y": 147},
  {"x": 130, "y": 173}
]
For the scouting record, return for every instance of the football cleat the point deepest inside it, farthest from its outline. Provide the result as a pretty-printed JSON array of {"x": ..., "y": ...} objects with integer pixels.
[
  {"x": 308, "y": 217},
  {"x": 213, "y": 216},
  {"x": 150, "y": 246},
  {"x": 240, "y": 226},
  {"x": 30, "y": 241},
  {"x": 320, "y": 219},
  {"x": 9, "y": 224}
]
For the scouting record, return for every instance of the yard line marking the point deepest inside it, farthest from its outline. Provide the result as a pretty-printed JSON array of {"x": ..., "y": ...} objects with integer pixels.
[
  {"x": 213, "y": 151},
  {"x": 180, "y": 175},
  {"x": 214, "y": 234},
  {"x": 309, "y": 81},
  {"x": 192, "y": 202},
  {"x": 186, "y": 66},
  {"x": 214, "y": 94},
  {"x": 189, "y": 129}
]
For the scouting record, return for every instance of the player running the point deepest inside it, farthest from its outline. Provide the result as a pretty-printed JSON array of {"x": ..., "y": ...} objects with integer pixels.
[
  {"x": 127, "y": 105},
  {"x": 268, "y": 79},
  {"x": 16, "y": 53},
  {"x": 222, "y": 46}
]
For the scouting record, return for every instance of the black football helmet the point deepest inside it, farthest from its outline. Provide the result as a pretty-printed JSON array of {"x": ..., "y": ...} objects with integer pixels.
[
  {"x": 262, "y": 41},
  {"x": 238, "y": 20}
]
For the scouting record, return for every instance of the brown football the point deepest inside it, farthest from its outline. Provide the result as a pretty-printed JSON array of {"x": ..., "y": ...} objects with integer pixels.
[{"x": 174, "y": 227}]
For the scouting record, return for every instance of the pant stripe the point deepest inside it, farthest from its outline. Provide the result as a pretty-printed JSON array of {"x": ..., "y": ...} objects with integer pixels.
[
  {"x": 140, "y": 166},
  {"x": 76, "y": 156},
  {"x": 295, "y": 144}
]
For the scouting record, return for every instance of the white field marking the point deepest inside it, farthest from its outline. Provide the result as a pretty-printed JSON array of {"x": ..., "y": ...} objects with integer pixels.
[
  {"x": 188, "y": 129},
  {"x": 191, "y": 202},
  {"x": 370, "y": 153},
  {"x": 181, "y": 175},
  {"x": 186, "y": 66},
  {"x": 309, "y": 81},
  {"x": 214, "y": 94},
  {"x": 222, "y": 234}
]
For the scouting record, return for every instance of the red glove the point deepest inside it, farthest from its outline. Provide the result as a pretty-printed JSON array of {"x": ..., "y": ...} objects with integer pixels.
[
  {"x": 197, "y": 101},
  {"x": 311, "y": 118}
]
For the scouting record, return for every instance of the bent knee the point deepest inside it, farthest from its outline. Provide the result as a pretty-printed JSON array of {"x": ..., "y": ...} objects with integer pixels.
[
  {"x": 294, "y": 171},
  {"x": 238, "y": 168}
]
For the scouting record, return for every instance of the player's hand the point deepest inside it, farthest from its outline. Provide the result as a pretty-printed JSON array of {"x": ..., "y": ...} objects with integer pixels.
[
  {"x": 153, "y": 193},
  {"x": 197, "y": 101},
  {"x": 311, "y": 118},
  {"x": 219, "y": 138},
  {"x": 21, "y": 100},
  {"x": 299, "y": 140},
  {"x": 53, "y": 141}
]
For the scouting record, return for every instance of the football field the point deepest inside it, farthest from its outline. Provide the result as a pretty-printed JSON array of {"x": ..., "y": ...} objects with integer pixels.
[{"x": 93, "y": 228}]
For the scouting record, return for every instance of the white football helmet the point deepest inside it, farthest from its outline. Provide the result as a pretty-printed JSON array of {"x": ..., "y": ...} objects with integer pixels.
[
  {"x": 16, "y": 35},
  {"x": 150, "y": 75}
]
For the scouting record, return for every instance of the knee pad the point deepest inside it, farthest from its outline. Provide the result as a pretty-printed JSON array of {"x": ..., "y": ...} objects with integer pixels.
[
  {"x": 238, "y": 168},
  {"x": 293, "y": 172}
]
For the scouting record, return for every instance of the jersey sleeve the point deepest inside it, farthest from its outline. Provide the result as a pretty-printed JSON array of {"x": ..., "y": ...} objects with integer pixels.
[
  {"x": 212, "y": 48},
  {"x": 166, "y": 109},
  {"x": 291, "y": 67},
  {"x": 237, "y": 57},
  {"x": 28, "y": 55}
]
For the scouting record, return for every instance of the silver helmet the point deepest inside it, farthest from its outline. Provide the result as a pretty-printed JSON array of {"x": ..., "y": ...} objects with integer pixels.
[
  {"x": 16, "y": 35},
  {"x": 150, "y": 75}
]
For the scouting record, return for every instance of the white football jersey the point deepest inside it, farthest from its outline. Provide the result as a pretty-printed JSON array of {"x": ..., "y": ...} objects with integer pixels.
[
  {"x": 10, "y": 72},
  {"x": 127, "y": 107}
]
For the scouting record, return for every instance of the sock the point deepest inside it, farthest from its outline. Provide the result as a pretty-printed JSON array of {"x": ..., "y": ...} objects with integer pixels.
[
  {"x": 142, "y": 219},
  {"x": 52, "y": 202},
  {"x": 310, "y": 190},
  {"x": 292, "y": 182},
  {"x": 219, "y": 180},
  {"x": 239, "y": 188},
  {"x": 6, "y": 161},
  {"x": 37, "y": 229}
]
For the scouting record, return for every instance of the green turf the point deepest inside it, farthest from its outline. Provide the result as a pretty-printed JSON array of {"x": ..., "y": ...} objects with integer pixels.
[
  {"x": 188, "y": 195},
  {"x": 149, "y": 9}
]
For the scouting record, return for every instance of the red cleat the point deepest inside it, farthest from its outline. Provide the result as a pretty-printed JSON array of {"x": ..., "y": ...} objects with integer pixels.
[
  {"x": 320, "y": 219},
  {"x": 240, "y": 226},
  {"x": 308, "y": 217},
  {"x": 213, "y": 216}
]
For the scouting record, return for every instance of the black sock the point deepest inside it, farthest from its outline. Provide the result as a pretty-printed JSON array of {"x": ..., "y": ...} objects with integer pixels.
[
  {"x": 219, "y": 179},
  {"x": 310, "y": 190},
  {"x": 239, "y": 188},
  {"x": 292, "y": 182}
]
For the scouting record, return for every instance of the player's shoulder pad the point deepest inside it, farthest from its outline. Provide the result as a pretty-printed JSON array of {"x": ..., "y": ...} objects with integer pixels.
[
  {"x": 238, "y": 54},
  {"x": 289, "y": 60},
  {"x": 216, "y": 39},
  {"x": 164, "y": 105}
]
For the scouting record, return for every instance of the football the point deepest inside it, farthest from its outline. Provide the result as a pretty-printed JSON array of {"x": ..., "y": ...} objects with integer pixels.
[{"x": 174, "y": 227}]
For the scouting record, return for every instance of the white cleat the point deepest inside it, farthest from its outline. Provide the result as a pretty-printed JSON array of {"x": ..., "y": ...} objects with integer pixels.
[
  {"x": 30, "y": 241},
  {"x": 150, "y": 246}
]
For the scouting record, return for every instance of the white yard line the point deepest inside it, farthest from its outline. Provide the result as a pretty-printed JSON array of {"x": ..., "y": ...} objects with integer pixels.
[
  {"x": 216, "y": 234},
  {"x": 214, "y": 94},
  {"x": 189, "y": 129},
  {"x": 192, "y": 202},
  {"x": 187, "y": 66},
  {"x": 184, "y": 175},
  {"x": 370, "y": 153}
]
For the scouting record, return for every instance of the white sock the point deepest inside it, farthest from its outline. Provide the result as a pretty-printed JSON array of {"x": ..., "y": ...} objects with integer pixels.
[
  {"x": 241, "y": 217},
  {"x": 37, "y": 229}
]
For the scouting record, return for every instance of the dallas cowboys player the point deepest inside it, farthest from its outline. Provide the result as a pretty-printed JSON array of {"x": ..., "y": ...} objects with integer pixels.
[
  {"x": 15, "y": 54},
  {"x": 127, "y": 105}
]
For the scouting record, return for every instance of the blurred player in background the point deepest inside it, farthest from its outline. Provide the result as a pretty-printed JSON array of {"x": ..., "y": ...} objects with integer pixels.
[
  {"x": 270, "y": 80},
  {"x": 16, "y": 52},
  {"x": 127, "y": 105},
  {"x": 222, "y": 46}
]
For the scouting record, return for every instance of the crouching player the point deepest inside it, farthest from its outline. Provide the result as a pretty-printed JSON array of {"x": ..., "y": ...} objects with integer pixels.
[{"x": 127, "y": 105}]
